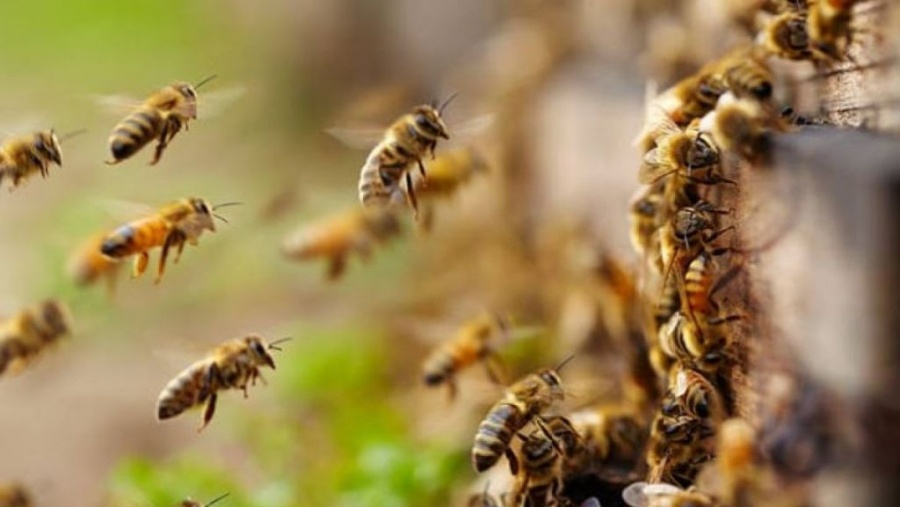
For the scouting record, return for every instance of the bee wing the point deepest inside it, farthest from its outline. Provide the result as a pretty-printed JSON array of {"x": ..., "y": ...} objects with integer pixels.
[
  {"x": 360, "y": 138},
  {"x": 657, "y": 118},
  {"x": 214, "y": 103},
  {"x": 120, "y": 209},
  {"x": 652, "y": 169},
  {"x": 471, "y": 128},
  {"x": 117, "y": 103},
  {"x": 26, "y": 124}
]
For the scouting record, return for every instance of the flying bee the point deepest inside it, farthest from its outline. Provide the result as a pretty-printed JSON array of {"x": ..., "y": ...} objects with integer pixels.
[
  {"x": 160, "y": 117},
  {"x": 829, "y": 26},
  {"x": 406, "y": 142},
  {"x": 13, "y": 494},
  {"x": 523, "y": 402},
  {"x": 786, "y": 36},
  {"x": 449, "y": 171},
  {"x": 661, "y": 494},
  {"x": 472, "y": 343},
  {"x": 23, "y": 156},
  {"x": 539, "y": 469},
  {"x": 26, "y": 335},
  {"x": 87, "y": 264},
  {"x": 193, "y": 503},
  {"x": 336, "y": 237},
  {"x": 612, "y": 440},
  {"x": 174, "y": 225},
  {"x": 233, "y": 365}
]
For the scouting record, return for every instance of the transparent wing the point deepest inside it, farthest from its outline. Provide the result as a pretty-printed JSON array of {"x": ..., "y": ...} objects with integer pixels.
[
  {"x": 120, "y": 209},
  {"x": 652, "y": 168},
  {"x": 117, "y": 104},
  {"x": 357, "y": 137},
  {"x": 216, "y": 102}
]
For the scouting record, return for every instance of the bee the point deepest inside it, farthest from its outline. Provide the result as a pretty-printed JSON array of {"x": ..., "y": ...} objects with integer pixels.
[
  {"x": 645, "y": 207},
  {"x": 161, "y": 116},
  {"x": 23, "y": 156},
  {"x": 829, "y": 26},
  {"x": 193, "y": 503},
  {"x": 174, "y": 225},
  {"x": 735, "y": 476},
  {"x": 523, "y": 402},
  {"x": 26, "y": 335},
  {"x": 690, "y": 231},
  {"x": 407, "y": 141},
  {"x": 539, "y": 471},
  {"x": 336, "y": 237},
  {"x": 87, "y": 264},
  {"x": 472, "y": 343},
  {"x": 741, "y": 126},
  {"x": 449, "y": 171},
  {"x": 232, "y": 365},
  {"x": 786, "y": 36},
  {"x": 13, "y": 494},
  {"x": 661, "y": 494},
  {"x": 612, "y": 440}
]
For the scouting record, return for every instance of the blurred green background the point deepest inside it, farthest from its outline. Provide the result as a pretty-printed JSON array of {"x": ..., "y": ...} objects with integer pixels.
[{"x": 343, "y": 421}]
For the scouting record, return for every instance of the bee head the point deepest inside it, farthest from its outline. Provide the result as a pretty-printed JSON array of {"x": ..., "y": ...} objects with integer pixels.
[
  {"x": 188, "y": 93},
  {"x": 550, "y": 377},
  {"x": 793, "y": 35},
  {"x": 47, "y": 144},
  {"x": 428, "y": 120},
  {"x": 257, "y": 347},
  {"x": 204, "y": 213}
]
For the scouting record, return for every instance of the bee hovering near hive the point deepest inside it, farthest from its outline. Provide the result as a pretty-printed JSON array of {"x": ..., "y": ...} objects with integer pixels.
[
  {"x": 405, "y": 143},
  {"x": 336, "y": 237},
  {"x": 171, "y": 227},
  {"x": 29, "y": 333},
  {"x": 23, "y": 156},
  {"x": 160, "y": 117},
  {"x": 233, "y": 365}
]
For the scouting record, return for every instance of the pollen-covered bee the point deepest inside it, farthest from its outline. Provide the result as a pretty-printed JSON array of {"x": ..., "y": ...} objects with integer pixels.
[
  {"x": 472, "y": 343},
  {"x": 193, "y": 503},
  {"x": 524, "y": 401},
  {"x": 174, "y": 225},
  {"x": 160, "y": 117},
  {"x": 830, "y": 27},
  {"x": 405, "y": 143},
  {"x": 13, "y": 494},
  {"x": 26, "y": 335},
  {"x": 336, "y": 237},
  {"x": 538, "y": 468},
  {"x": 233, "y": 365},
  {"x": 23, "y": 156},
  {"x": 661, "y": 494},
  {"x": 87, "y": 265}
]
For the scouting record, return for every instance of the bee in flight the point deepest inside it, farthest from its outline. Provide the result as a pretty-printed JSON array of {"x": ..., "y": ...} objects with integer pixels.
[
  {"x": 233, "y": 365},
  {"x": 13, "y": 494},
  {"x": 523, "y": 402},
  {"x": 472, "y": 343},
  {"x": 87, "y": 265},
  {"x": 26, "y": 335},
  {"x": 405, "y": 143},
  {"x": 336, "y": 237},
  {"x": 23, "y": 156},
  {"x": 161, "y": 116},
  {"x": 193, "y": 503},
  {"x": 174, "y": 225}
]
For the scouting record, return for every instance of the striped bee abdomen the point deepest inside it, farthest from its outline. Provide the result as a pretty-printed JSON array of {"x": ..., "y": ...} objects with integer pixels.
[
  {"x": 183, "y": 392},
  {"x": 134, "y": 132},
  {"x": 495, "y": 433}
]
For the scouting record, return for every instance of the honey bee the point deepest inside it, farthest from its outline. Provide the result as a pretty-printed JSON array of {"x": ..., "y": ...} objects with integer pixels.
[
  {"x": 612, "y": 440},
  {"x": 539, "y": 471},
  {"x": 449, "y": 171},
  {"x": 642, "y": 494},
  {"x": 407, "y": 141},
  {"x": 645, "y": 207},
  {"x": 13, "y": 494},
  {"x": 336, "y": 237},
  {"x": 472, "y": 343},
  {"x": 741, "y": 126},
  {"x": 523, "y": 402},
  {"x": 690, "y": 231},
  {"x": 23, "y": 156},
  {"x": 26, "y": 335},
  {"x": 232, "y": 365},
  {"x": 829, "y": 26},
  {"x": 193, "y": 503},
  {"x": 87, "y": 265},
  {"x": 786, "y": 36},
  {"x": 174, "y": 225},
  {"x": 161, "y": 116}
]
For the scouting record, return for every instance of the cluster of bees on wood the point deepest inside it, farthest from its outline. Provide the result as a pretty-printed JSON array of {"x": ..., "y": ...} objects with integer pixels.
[{"x": 674, "y": 440}]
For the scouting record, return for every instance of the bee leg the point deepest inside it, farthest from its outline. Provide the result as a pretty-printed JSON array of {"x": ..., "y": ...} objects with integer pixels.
[
  {"x": 161, "y": 145},
  {"x": 495, "y": 370},
  {"x": 422, "y": 170},
  {"x": 513, "y": 461},
  {"x": 411, "y": 193},
  {"x": 174, "y": 238},
  {"x": 140, "y": 264},
  {"x": 208, "y": 411},
  {"x": 178, "y": 253},
  {"x": 546, "y": 431},
  {"x": 336, "y": 267}
]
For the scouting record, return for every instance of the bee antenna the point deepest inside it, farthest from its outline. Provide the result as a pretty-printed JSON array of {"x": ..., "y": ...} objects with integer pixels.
[
  {"x": 214, "y": 500},
  {"x": 205, "y": 80},
  {"x": 220, "y": 217},
  {"x": 274, "y": 345},
  {"x": 226, "y": 204},
  {"x": 446, "y": 102},
  {"x": 564, "y": 362},
  {"x": 69, "y": 135}
]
